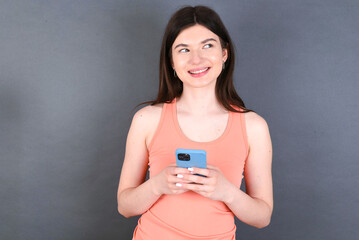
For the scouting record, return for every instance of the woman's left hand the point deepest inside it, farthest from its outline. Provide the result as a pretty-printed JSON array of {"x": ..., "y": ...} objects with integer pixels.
[{"x": 214, "y": 186}]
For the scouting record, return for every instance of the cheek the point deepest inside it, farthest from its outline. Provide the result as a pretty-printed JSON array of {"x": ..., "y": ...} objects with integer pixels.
[
  {"x": 178, "y": 62},
  {"x": 217, "y": 60},
  {"x": 216, "y": 57}
]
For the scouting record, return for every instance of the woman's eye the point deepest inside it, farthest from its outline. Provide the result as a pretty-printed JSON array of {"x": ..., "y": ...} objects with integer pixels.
[
  {"x": 184, "y": 50},
  {"x": 208, "y": 45}
]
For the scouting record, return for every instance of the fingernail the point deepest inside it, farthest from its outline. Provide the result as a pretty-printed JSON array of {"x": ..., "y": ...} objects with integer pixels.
[
  {"x": 179, "y": 175},
  {"x": 190, "y": 169},
  {"x": 178, "y": 184}
]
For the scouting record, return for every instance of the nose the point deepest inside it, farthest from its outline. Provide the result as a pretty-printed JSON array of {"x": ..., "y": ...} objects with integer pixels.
[{"x": 196, "y": 57}]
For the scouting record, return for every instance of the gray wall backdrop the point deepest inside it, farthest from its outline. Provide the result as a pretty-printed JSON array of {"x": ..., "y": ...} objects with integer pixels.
[{"x": 71, "y": 72}]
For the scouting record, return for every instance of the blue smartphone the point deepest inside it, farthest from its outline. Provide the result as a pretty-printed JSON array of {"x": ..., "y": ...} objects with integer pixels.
[{"x": 191, "y": 158}]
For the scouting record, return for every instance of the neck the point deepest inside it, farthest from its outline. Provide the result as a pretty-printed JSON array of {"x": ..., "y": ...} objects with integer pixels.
[{"x": 198, "y": 102}]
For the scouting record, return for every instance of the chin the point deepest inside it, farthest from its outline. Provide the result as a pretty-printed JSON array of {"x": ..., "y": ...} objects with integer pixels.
[{"x": 200, "y": 84}]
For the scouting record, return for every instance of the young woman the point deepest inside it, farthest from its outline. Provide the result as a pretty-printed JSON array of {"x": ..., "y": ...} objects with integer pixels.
[{"x": 197, "y": 108}]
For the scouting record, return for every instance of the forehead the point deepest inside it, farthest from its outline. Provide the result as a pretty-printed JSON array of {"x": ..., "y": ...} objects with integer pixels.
[{"x": 194, "y": 35}]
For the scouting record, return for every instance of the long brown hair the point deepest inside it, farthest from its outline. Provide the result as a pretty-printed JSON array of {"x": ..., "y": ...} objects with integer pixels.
[{"x": 170, "y": 86}]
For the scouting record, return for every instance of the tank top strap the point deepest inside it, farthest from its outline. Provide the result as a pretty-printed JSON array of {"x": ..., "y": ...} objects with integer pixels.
[
  {"x": 239, "y": 128},
  {"x": 165, "y": 122},
  {"x": 244, "y": 131}
]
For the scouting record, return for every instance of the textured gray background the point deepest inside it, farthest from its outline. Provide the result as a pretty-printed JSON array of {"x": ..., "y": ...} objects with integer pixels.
[{"x": 72, "y": 71}]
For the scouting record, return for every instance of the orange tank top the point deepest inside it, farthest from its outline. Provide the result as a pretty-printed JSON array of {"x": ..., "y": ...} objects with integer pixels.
[{"x": 190, "y": 215}]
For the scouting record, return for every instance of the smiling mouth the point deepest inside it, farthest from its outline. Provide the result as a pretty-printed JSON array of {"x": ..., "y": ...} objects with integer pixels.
[{"x": 199, "y": 71}]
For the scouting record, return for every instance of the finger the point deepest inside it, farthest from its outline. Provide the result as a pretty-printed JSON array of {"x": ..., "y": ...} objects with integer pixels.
[
  {"x": 202, "y": 171},
  {"x": 179, "y": 191},
  {"x": 196, "y": 179},
  {"x": 201, "y": 189},
  {"x": 173, "y": 179},
  {"x": 177, "y": 170},
  {"x": 194, "y": 187},
  {"x": 179, "y": 178},
  {"x": 177, "y": 187}
]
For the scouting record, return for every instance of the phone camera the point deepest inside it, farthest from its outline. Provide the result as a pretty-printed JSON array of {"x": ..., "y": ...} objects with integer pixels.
[{"x": 184, "y": 156}]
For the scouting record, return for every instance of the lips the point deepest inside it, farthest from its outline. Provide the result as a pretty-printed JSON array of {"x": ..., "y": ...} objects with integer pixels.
[{"x": 199, "y": 72}]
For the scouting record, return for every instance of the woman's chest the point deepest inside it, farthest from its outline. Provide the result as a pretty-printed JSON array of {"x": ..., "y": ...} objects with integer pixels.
[{"x": 203, "y": 128}]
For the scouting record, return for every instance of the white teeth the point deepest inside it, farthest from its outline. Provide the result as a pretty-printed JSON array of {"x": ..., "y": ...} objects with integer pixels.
[{"x": 196, "y": 72}]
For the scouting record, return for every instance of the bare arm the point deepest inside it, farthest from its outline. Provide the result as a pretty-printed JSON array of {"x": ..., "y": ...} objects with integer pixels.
[
  {"x": 135, "y": 195},
  {"x": 255, "y": 207}
]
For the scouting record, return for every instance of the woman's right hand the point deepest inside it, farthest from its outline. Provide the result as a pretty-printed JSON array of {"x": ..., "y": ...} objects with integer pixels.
[{"x": 169, "y": 180}]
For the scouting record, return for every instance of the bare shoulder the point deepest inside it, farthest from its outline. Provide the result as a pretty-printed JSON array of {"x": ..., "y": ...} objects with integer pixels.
[
  {"x": 255, "y": 122},
  {"x": 148, "y": 113},
  {"x": 256, "y": 126},
  {"x": 147, "y": 119}
]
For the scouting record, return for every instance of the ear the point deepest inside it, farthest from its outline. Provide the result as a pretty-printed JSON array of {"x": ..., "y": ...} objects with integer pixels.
[{"x": 225, "y": 54}]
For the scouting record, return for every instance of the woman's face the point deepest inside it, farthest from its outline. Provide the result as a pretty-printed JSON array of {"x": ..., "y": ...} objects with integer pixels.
[{"x": 197, "y": 56}]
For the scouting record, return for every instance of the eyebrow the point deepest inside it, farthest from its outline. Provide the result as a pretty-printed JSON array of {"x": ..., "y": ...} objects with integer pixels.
[{"x": 203, "y": 42}]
